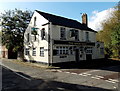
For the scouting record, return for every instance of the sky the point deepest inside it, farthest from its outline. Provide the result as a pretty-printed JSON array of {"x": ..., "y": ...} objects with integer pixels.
[{"x": 96, "y": 11}]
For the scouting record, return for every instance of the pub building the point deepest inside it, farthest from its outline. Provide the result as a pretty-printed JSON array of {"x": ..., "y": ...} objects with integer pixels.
[{"x": 52, "y": 39}]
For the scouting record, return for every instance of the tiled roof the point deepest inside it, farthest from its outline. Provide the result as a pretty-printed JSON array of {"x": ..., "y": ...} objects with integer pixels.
[{"x": 58, "y": 20}]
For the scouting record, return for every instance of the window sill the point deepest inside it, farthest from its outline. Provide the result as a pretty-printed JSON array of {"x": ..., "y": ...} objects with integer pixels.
[{"x": 41, "y": 56}]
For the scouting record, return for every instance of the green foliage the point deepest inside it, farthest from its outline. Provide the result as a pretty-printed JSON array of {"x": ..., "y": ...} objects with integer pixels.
[
  {"x": 14, "y": 23},
  {"x": 115, "y": 40},
  {"x": 110, "y": 34},
  {"x": 115, "y": 36},
  {"x": 0, "y": 37}
]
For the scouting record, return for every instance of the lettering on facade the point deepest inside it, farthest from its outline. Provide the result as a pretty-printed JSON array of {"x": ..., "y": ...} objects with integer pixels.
[{"x": 73, "y": 43}]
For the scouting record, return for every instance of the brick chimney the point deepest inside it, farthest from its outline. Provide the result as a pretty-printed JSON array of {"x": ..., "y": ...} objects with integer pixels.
[{"x": 84, "y": 19}]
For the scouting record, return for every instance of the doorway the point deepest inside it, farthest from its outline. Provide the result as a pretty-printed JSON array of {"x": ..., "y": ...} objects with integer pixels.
[
  {"x": 88, "y": 56},
  {"x": 11, "y": 54}
]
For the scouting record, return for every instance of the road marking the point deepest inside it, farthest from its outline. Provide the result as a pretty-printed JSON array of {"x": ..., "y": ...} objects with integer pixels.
[
  {"x": 99, "y": 76},
  {"x": 95, "y": 77},
  {"x": 74, "y": 73},
  {"x": 22, "y": 76},
  {"x": 59, "y": 70},
  {"x": 67, "y": 72},
  {"x": 83, "y": 75},
  {"x": 86, "y": 74},
  {"x": 110, "y": 81},
  {"x": 8, "y": 68},
  {"x": 60, "y": 88},
  {"x": 114, "y": 80},
  {"x": 53, "y": 70},
  {"x": 16, "y": 72}
]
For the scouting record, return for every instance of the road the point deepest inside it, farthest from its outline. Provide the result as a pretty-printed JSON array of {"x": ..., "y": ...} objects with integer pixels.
[{"x": 19, "y": 76}]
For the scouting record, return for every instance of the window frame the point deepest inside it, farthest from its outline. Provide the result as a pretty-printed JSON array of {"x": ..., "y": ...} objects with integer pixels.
[
  {"x": 34, "y": 52},
  {"x": 27, "y": 52},
  {"x": 102, "y": 51},
  {"x": 71, "y": 51},
  {"x": 89, "y": 50},
  {"x": 43, "y": 34},
  {"x": 87, "y": 36},
  {"x": 62, "y": 50},
  {"x": 35, "y": 21},
  {"x": 62, "y": 33},
  {"x": 42, "y": 51},
  {"x": 28, "y": 37},
  {"x": 76, "y": 35}
]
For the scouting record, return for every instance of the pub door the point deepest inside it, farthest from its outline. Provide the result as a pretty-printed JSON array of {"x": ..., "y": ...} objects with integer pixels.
[{"x": 88, "y": 56}]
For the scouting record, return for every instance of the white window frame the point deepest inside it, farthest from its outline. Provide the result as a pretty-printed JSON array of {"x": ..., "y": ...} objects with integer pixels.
[
  {"x": 77, "y": 35},
  {"x": 34, "y": 52},
  {"x": 62, "y": 33},
  {"x": 35, "y": 18},
  {"x": 87, "y": 36},
  {"x": 28, "y": 37},
  {"x": 89, "y": 50},
  {"x": 62, "y": 50},
  {"x": 101, "y": 51},
  {"x": 42, "y": 51},
  {"x": 27, "y": 52},
  {"x": 43, "y": 34}
]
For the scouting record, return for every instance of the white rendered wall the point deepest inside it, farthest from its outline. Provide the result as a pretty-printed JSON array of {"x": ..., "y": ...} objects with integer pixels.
[{"x": 40, "y": 20}]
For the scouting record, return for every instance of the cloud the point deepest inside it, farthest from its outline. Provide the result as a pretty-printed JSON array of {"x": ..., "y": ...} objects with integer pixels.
[{"x": 98, "y": 17}]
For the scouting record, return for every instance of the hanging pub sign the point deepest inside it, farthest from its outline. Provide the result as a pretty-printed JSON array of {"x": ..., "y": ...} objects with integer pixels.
[
  {"x": 34, "y": 31},
  {"x": 73, "y": 43},
  {"x": 33, "y": 28}
]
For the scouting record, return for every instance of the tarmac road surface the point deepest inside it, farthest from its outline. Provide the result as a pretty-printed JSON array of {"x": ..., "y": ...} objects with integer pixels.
[{"x": 19, "y": 76}]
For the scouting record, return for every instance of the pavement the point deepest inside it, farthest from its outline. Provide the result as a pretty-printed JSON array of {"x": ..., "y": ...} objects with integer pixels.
[{"x": 31, "y": 77}]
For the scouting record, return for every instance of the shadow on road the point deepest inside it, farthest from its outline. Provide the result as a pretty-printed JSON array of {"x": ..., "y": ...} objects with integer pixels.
[
  {"x": 91, "y": 64},
  {"x": 13, "y": 82}
]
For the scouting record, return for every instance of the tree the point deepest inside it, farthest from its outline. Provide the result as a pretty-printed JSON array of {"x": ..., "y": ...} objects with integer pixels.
[
  {"x": 0, "y": 37},
  {"x": 14, "y": 23},
  {"x": 110, "y": 34},
  {"x": 115, "y": 40}
]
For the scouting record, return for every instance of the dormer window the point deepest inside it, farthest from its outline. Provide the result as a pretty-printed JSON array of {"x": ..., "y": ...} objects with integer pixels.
[
  {"x": 62, "y": 33},
  {"x": 34, "y": 21}
]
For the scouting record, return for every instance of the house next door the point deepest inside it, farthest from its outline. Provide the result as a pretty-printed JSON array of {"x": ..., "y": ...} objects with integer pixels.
[{"x": 77, "y": 55}]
